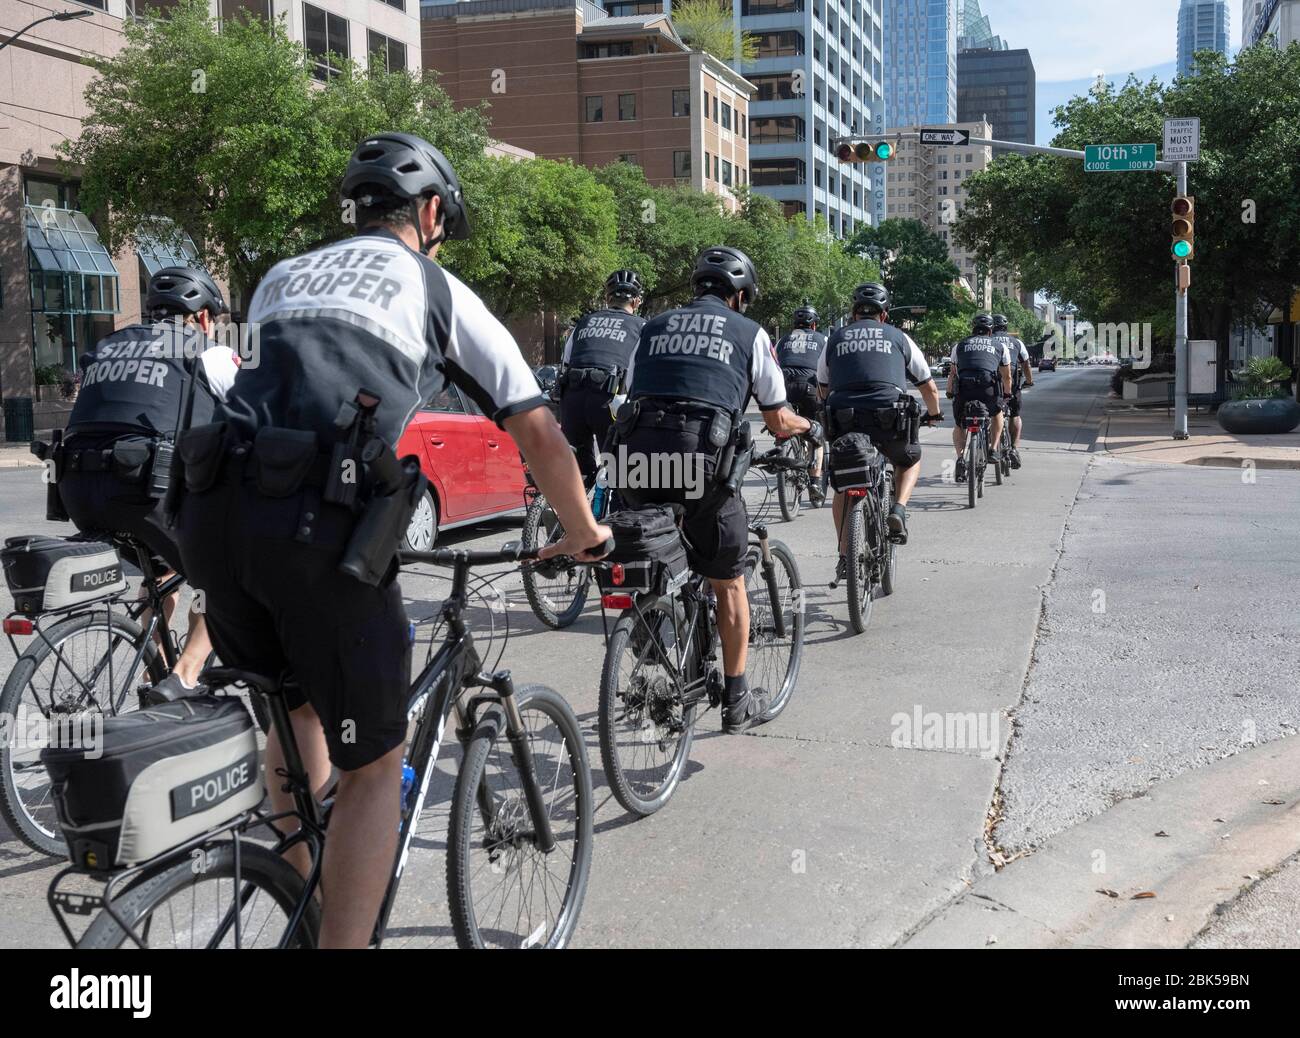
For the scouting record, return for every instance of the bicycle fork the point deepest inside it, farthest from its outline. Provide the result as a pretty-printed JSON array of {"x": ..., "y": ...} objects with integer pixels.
[{"x": 769, "y": 577}]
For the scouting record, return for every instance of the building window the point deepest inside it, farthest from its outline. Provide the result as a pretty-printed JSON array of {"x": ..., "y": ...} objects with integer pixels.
[
  {"x": 681, "y": 164},
  {"x": 629, "y": 157},
  {"x": 388, "y": 54},
  {"x": 715, "y": 109},
  {"x": 244, "y": 10},
  {"x": 792, "y": 209},
  {"x": 621, "y": 49},
  {"x": 776, "y": 172},
  {"x": 626, "y": 107},
  {"x": 706, "y": 104},
  {"x": 325, "y": 35},
  {"x": 771, "y": 7},
  {"x": 595, "y": 109},
  {"x": 726, "y": 173},
  {"x": 399, "y": 4},
  {"x": 773, "y": 129},
  {"x": 726, "y": 116},
  {"x": 778, "y": 87},
  {"x": 681, "y": 103},
  {"x": 780, "y": 43}
]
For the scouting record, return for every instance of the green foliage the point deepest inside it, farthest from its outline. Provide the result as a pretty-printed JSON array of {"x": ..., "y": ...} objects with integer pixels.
[
  {"x": 1020, "y": 320},
  {"x": 1263, "y": 378},
  {"x": 707, "y": 25},
  {"x": 919, "y": 274},
  {"x": 939, "y": 331}
]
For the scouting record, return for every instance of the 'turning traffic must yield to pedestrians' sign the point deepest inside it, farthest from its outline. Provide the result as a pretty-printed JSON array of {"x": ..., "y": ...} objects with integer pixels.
[
  {"x": 1182, "y": 140},
  {"x": 945, "y": 136},
  {"x": 1119, "y": 158}
]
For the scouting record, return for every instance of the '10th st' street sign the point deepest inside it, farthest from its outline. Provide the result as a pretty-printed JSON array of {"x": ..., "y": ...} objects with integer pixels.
[{"x": 1119, "y": 158}]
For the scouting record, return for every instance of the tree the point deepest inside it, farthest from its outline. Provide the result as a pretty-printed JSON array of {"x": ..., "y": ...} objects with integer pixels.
[
  {"x": 914, "y": 266},
  {"x": 707, "y": 25},
  {"x": 1102, "y": 240},
  {"x": 226, "y": 134},
  {"x": 939, "y": 331},
  {"x": 1020, "y": 320}
]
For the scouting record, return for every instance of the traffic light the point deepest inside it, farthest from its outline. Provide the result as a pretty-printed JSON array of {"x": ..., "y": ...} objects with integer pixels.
[
  {"x": 1184, "y": 228},
  {"x": 865, "y": 151}
]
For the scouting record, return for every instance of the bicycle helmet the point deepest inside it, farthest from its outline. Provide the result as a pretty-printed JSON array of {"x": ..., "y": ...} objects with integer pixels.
[
  {"x": 184, "y": 290},
  {"x": 982, "y": 325},
  {"x": 805, "y": 317},
  {"x": 408, "y": 168},
  {"x": 721, "y": 266},
  {"x": 871, "y": 298},
  {"x": 999, "y": 322},
  {"x": 624, "y": 283}
]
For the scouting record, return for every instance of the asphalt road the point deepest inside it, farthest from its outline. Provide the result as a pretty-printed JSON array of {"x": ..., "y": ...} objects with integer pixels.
[{"x": 838, "y": 824}]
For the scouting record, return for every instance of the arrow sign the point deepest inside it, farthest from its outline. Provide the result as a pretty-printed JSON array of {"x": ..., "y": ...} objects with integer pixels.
[{"x": 945, "y": 136}]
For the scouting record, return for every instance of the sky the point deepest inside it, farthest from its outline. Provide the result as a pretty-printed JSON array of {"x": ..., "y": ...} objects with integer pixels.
[{"x": 1072, "y": 41}]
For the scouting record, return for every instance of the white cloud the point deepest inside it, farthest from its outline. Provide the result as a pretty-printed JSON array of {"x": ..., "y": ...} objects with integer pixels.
[{"x": 1074, "y": 39}]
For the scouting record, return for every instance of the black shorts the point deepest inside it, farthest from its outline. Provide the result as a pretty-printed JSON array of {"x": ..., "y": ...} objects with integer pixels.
[
  {"x": 1013, "y": 404},
  {"x": 989, "y": 394},
  {"x": 716, "y": 527},
  {"x": 801, "y": 395},
  {"x": 585, "y": 420},
  {"x": 282, "y": 609},
  {"x": 892, "y": 443},
  {"x": 104, "y": 503}
]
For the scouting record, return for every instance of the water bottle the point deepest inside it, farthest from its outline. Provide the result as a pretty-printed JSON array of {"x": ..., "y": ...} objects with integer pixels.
[
  {"x": 408, "y": 787},
  {"x": 598, "y": 502}
]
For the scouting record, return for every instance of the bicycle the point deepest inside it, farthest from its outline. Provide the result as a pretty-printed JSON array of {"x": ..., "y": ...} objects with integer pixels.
[
  {"x": 520, "y": 835},
  {"x": 557, "y": 593},
  {"x": 977, "y": 453},
  {"x": 85, "y": 659},
  {"x": 661, "y": 663},
  {"x": 794, "y": 479}
]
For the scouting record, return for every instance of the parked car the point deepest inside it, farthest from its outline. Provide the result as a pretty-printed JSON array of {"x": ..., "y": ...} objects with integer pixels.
[
  {"x": 474, "y": 468},
  {"x": 940, "y": 367},
  {"x": 546, "y": 376},
  {"x": 1047, "y": 364}
]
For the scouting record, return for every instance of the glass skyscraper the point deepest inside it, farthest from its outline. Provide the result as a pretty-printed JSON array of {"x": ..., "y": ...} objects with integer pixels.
[
  {"x": 1202, "y": 25},
  {"x": 921, "y": 61}
]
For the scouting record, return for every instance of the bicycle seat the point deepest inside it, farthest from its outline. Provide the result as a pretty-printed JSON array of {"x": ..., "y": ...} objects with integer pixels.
[{"x": 219, "y": 676}]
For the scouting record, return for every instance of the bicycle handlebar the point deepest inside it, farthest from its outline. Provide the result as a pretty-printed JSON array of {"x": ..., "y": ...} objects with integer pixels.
[
  {"x": 774, "y": 459},
  {"x": 511, "y": 551}
]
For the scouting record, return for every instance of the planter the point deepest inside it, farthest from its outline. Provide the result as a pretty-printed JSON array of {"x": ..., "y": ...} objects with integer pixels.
[{"x": 1259, "y": 417}]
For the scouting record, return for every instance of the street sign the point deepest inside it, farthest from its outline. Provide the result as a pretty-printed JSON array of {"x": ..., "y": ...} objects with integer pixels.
[
  {"x": 945, "y": 136},
  {"x": 1182, "y": 140},
  {"x": 1119, "y": 158}
]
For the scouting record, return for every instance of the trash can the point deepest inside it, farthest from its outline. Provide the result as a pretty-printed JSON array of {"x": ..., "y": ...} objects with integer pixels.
[{"x": 19, "y": 423}]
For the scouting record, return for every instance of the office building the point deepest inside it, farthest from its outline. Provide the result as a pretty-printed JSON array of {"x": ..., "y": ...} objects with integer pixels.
[
  {"x": 999, "y": 87},
  {"x": 921, "y": 62},
  {"x": 1265, "y": 19},
  {"x": 975, "y": 32},
  {"x": 1202, "y": 25}
]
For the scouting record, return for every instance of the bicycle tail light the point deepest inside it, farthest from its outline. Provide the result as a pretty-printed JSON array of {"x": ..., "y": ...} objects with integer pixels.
[
  {"x": 855, "y": 492},
  {"x": 18, "y": 625},
  {"x": 617, "y": 574},
  {"x": 619, "y": 601}
]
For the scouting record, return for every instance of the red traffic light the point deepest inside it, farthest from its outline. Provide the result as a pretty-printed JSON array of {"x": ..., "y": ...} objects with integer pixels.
[{"x": 845, "y": 153}]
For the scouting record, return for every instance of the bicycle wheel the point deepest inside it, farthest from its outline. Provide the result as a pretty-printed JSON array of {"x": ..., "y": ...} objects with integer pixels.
[
  {"x": 789, "y": 482},
  {"x": 645, "y": 730},
  {"x": 503, "y": 890},
  {"x": 557, "y": 599},
  {"x": 82, "y": 666},
  {"x": 999, "y": 461},
  {"x": 984, "y": 464},
  {"x": 889, "y": 564},
  {"x": 189, "y": 904},
  {"x": 772, "y": 661},
  {"x": 972, "y": 468},
  {"x": 861, "y": 590}
]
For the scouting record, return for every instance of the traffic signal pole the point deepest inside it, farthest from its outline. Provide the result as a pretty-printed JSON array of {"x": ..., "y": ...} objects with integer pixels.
[{"x": 1181, "y": 359}]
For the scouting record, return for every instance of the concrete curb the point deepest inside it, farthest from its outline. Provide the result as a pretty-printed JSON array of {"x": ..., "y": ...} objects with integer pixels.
[{"x": 1222, "y": 834}]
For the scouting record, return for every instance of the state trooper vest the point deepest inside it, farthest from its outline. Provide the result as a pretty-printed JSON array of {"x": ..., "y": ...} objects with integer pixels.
[
  {"x": 802, "y": 348},
  {"x": 867, "y": 355},
  {"x": 701, "y": 352},
  {"x": 605, "y": 339},
  {"x": 979, "y": 358},
  {"x": 136, "y": 377},
  {"x": 1013, "y": 351}
]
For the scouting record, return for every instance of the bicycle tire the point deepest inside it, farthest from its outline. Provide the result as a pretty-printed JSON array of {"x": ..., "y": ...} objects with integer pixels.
[
  {"x": 461, "y": 841},
  {"x": 789, "y": 483},
  {"x": 859, "y": 582},
  {"x": 538, "y": 596},
  {"x": 784, "y": 559},
  {"x": 46, "y": 838},
  {"x": 972, "y": 470},
  {"x": 889, "y": 566},
  {"x": 612, "y": 702},
  {"x": 260, "y": 868}
]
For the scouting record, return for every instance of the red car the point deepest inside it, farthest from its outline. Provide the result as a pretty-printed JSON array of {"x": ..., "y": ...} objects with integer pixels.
[{"x": 474, "y": 468}]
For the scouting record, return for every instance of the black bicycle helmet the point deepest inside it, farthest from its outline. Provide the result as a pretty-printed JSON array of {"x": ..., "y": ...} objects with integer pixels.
[
  {"x": 623, "y": 283},
  {"x": 982, "y": 324},
  {"x": 409, "y": 168},
  {"x": 999, "y": 322},
  {"x": 721, "y": 266},
  {"x": 871, "y": 298},
  {"x": 184, "y": 290},
  {"x": 805, "y": 317}
]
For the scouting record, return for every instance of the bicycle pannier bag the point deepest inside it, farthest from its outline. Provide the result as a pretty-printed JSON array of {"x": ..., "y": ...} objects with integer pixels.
[
  {"x": 648, "y": 551},
  {"x": 48, "y": 573},
  {"x": 855, "y": 462},
  {"x": 144, "y": 782}
]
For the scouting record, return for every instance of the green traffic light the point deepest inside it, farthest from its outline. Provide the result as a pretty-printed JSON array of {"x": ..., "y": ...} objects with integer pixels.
[
  {"x": 884, "y": 150},
  {"x": 1182, "y": 249}
]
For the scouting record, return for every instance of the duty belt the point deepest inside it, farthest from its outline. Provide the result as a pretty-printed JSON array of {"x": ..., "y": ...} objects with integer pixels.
[
  {"x": 595, "y": 376},
  {"x": 98, "y": 459}
]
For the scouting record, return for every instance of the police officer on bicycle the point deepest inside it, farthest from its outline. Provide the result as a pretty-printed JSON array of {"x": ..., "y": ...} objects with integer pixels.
[
  {"x": 863, "y": 374},
  {"x": 691, "y": 378},
  {"x": 980, "y": 373},
  {"x": 133, "y": 389},
  {"x": 295, "y": 501},
  {"x": 799, "y": 353},
  {"x": 1022, "y": 376},
  {"x": 596, "y": 356}
]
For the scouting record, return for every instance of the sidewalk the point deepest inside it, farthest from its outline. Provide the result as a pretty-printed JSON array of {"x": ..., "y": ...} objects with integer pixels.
[
  {"x": 17, "y": 456},
  {"x": 1146, "y": 434}
]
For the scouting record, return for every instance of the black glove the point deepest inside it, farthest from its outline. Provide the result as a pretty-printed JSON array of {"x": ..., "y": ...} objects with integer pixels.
[
  {"x": 815, "y": 431},
  {"x": 949, "y": 394},
  {"x": 932, "y": 419}
]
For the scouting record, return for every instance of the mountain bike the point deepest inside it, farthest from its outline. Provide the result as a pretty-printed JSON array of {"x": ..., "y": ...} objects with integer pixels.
[
  {"x": 662, "y": 668},
  {"x": 977, "y": 451},
  {"x": 557, "y": 592},
  {"x": 87, "y": 659},
  {"x": 792, "y": 480},
  {"x": 519, "y": 842}
]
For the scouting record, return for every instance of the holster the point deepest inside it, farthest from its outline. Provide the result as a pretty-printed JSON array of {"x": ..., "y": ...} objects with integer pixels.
[
  {"x": 202, "y": 449},
  {"x": 396, "y": 487},
  {"x": 52, "y": 452},
  {"x": 131, "y": 460}
]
